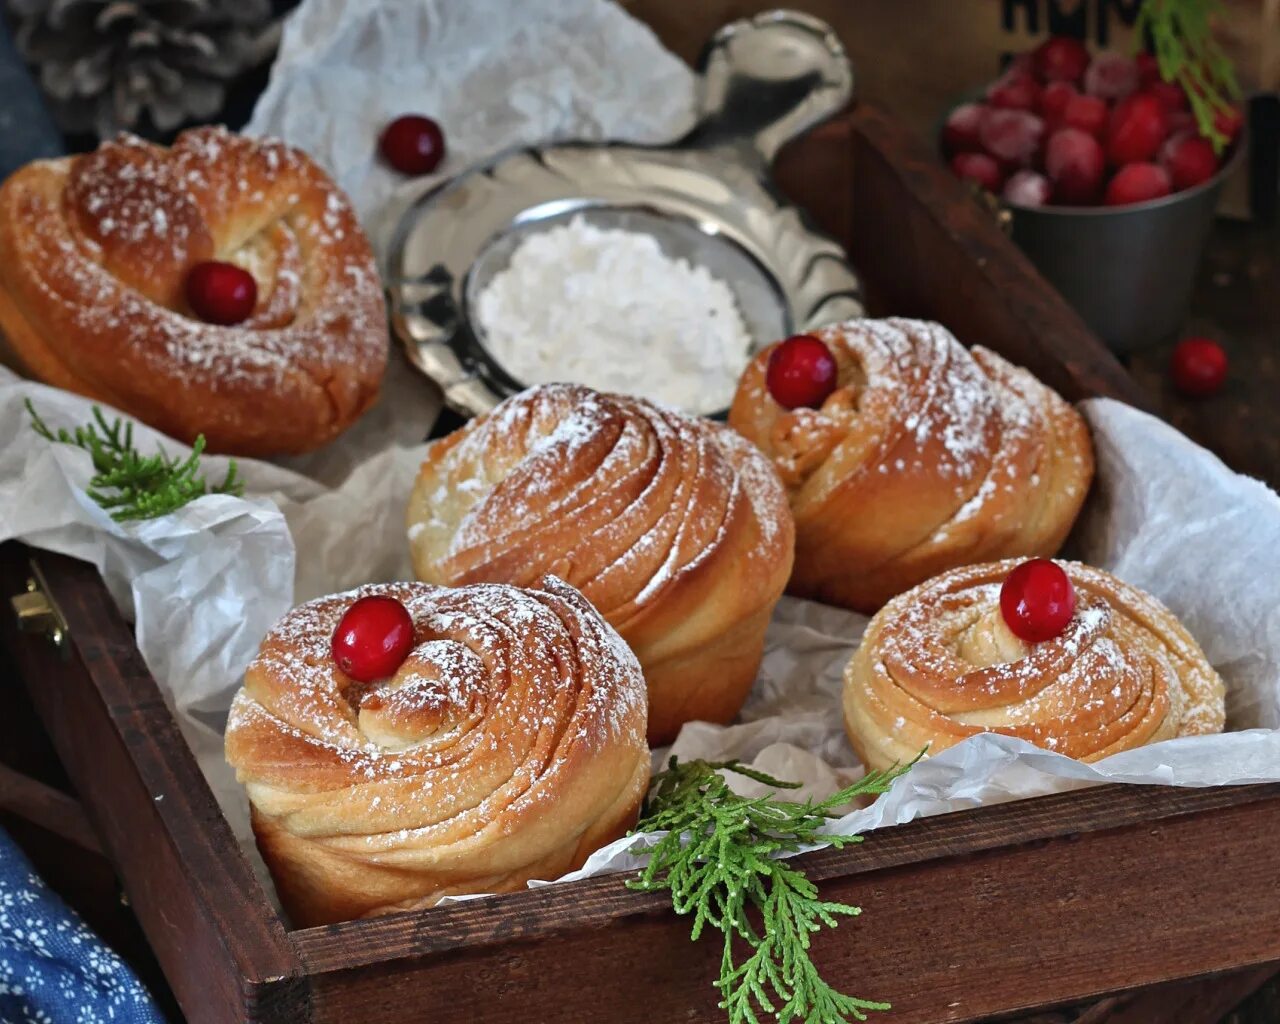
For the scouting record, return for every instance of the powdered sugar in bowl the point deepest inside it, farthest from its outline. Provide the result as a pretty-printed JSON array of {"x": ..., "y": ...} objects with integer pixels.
[{"x": 679, "y": 262}]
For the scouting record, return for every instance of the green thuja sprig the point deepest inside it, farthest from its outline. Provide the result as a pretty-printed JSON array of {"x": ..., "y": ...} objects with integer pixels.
[
  {"x": 1181, "y": 32},
  {"x": 720, "y": 858},
  {"x": 128, "y": 484}
]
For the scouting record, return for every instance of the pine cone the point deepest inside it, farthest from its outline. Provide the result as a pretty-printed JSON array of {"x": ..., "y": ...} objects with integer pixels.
[{"x": 103, "y": 63}]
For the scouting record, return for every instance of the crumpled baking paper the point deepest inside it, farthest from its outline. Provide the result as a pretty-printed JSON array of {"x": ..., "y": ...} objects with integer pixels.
[
  {"x": 206, "y": 583},
  {"x": 495, "y": 74}
]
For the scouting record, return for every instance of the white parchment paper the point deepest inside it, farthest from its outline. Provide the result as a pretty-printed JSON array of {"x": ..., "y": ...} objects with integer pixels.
[{"x": 205, "y": 584}]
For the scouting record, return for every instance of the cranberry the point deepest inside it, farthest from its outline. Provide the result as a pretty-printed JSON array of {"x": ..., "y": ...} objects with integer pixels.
[
  {"x": 1037, "y": 600},
  {"x": 1229, "y": 122},
  {"x": 1014, "y": 92},
  {"x": 1199, "y": 366},
  {"x": 1027, "y": 188},
  {"x": 1088, "y": 113},
  {"x": 1189, "y": 159},
  {"x": 1138, "y": 126},
  {"x": 1148, "y": 68},
  {"x": 978, "y": 167},
  {"x": 801, "y": 372},
  {"x": 1074, "y": 162},
  {"x": 1012, "y": 136},
  {"x": 1054, "y": 99},
  {"x": 1168, "y": 94},
  {"x": 1137, "y": 183},
  {"x": 221, "y": 293},
  {"x": 373, "y": 638},
  {"x": 960, "y": 132},
  {"x": 1111, "y": 76},
  {"x": 1060, "y": 59},
  {"x": 412, "y": 144}
]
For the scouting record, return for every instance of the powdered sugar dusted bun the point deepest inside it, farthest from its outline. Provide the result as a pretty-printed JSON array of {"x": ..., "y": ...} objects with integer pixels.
[
  {"x": 939, "y": 664},
  {"x": 925, "y": 457},
  {"x": 673, "y": 527},
  {"x": 508, "y": 746},
  {"x": 94, "y": 255}
]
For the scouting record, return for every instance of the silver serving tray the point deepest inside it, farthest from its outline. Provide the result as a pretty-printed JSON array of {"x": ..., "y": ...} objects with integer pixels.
[{"x": 707, "y": 197}]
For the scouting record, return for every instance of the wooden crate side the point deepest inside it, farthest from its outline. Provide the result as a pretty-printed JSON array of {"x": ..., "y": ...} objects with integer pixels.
[
  {"x": 961, "y": 939},
  {"x": 222, "y": 947}
]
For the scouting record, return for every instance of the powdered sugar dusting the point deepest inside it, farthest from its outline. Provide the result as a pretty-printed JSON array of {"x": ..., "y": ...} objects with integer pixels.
[
  {"x": 943, "y": 665},
  {"x": 508, "y": 697}
]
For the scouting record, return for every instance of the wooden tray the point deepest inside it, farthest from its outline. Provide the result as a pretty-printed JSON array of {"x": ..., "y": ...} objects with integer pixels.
[{"x": 993, "y": 911}]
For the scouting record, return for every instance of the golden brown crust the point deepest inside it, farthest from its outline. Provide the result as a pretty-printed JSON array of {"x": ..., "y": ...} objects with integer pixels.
[
  {"x": 674, "y": 527},
  {"x": 926, "y": 457},
  {"x": 94, "y": 253},
  {"x": 508, "y": 746},
  {"x": 938, "y": 664}
]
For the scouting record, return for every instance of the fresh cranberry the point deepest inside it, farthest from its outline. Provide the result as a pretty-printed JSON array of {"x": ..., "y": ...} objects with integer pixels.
[
  {"x": 1060, "y": 59},
  {"x": 221, "y": 293},
  {"x": 1189, "y": 159},
  {"x": 1148, "y": 68},
  {"x": 1199, "y": 366},
  {"x": 1170, "y": 95},
  {"x": 978, "y": 167},
  {"x": 1027, "y": 188},
  {"x": 1088, "y": 113},
  {"x": 1229, "y": 122},
  {"x": 373, "y": 638},
  {"x": 1037, "y": 600},
  {"x": 960, "y": 132},
  {"x": 1138, "y": 126},
  {"x": 1014, "y": 92},
  {"x": 412, "y": 144},
  {"x": 1111, "y": 76},
  {"x": 801, "y": 372},
  {"x": 1137, "y": 183},
  {"x": 1054, "y": 99},
  {"x": 1181, "y": 121},
  {"x": 1074, "y": 162},
  {"x": 1012, "y": 136}
]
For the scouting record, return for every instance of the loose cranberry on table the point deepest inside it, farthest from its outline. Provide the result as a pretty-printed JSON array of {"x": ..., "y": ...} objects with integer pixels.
[
  {"x": 221, "y": 293},
  {"x": 801, "y": 372},
  {"x": 1075, "y": 164},
  {"x": 1060, "y": 59},
  {"x": 412, "y": 144},
  {"x": 1137, "y": 183},
  {"x": 1037, "y": 600},
  {"x": 1189, "y": 159},
  {"x": 1199, "y": 367},
  {"x": 373, "y": 638},
  {"x": 1138, "y": 126},
  {"x": 978, "y": 167}
]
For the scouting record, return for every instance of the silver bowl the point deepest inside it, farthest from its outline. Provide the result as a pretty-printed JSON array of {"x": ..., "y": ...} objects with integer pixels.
[{"x": 707, "y": 197}]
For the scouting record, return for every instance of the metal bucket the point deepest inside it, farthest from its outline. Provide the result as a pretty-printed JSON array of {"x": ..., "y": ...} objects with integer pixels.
[{"x": 1128, "y": 271}]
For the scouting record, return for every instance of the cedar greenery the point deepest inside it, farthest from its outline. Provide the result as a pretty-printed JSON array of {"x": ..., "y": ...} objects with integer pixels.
[
  {"x": 128, "y": 484},
  {"x": 720, "y": 858},
  {"x": 1181, "y": 33}
]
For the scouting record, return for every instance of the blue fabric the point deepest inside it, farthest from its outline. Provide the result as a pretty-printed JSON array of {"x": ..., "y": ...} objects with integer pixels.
[{"x": 53, "y": 969}]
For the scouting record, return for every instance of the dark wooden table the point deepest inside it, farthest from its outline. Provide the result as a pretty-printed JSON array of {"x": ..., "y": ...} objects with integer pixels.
[{"x": 1237, "y": 302}]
